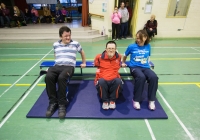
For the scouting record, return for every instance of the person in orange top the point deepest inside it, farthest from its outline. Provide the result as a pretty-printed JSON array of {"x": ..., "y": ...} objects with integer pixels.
[{"x": 108, "y": 81}]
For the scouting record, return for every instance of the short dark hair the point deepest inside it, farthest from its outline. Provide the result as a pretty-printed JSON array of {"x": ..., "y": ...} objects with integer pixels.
[
  {"x": 143, "y": 33},
  {"x": 62, "y": 29},
  {"x": 111, "y": 42}
]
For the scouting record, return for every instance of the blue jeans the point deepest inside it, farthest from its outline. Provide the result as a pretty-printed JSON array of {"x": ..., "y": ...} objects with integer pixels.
[{"x": 123, "y": 29}]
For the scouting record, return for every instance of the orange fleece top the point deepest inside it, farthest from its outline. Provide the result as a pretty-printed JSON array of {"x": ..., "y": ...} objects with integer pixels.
[{"x": 107, "y": 68}]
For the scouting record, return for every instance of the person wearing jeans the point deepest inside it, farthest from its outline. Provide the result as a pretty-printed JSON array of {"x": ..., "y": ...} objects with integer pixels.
[{"x": 124, "y": 21}]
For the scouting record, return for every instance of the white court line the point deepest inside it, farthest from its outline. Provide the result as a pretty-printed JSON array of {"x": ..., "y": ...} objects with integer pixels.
[
  {"x": 24, "y": 74},
  {"x": 146, "y": 121},
  {"x": 18, "y": 104},
  {"x": 152, "y": 54},
  {"x": 24, "y": 48},
  {"x": 173, "y": 53},
  {"x": 21, "y": 54},
  {"x": 195, "y": 49},
  {"x": 177, "y": 118},
  {"x": 150, "y": 130}
]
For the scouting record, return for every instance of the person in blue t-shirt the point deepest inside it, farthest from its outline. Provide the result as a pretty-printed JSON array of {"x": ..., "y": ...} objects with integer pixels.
[{"x": 139, "y": 66}]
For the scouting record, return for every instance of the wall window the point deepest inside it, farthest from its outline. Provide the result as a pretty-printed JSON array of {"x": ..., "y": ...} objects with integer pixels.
[
  {"x": 178, "y": 8},
  {"x": 68, "y": 1}
]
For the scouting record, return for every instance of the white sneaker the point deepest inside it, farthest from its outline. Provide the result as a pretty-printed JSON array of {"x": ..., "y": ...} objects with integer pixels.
[
  {"x": 152, "y": 105},
  {"x": 105, "y": 105},
  {"x": 112, "y": 105},
  {"x": 136, "y": 105}
]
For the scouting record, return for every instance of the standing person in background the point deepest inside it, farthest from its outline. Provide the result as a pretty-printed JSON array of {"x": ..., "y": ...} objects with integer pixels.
[
  {"x": 130, "y": 17},
  {"x": 151, "y": 26},
  {"x": 35, "y": 15},
  {"x": 140, "y": 52},
  {"x": 124, "y": 21},
  {"x": 115, "y": 17},
  {"x": 5, "y": 14},
  {"x": 59, "y": 5}
]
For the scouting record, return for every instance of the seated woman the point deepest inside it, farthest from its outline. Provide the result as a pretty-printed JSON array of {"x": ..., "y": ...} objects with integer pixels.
[
  {"x": 58, "y": 16},
  {"x": 64, "y": 13},
  {"x": 16, "y": 16},
  {"x": 35, "y": 15},
  {"x": 47, "y": 15},
  {"x": 139, "y": 66},
  {"x": 151, "y": 26}
]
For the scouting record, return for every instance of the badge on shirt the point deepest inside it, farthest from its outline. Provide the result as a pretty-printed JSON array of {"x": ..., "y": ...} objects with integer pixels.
[{"x": 143, "y": 61}]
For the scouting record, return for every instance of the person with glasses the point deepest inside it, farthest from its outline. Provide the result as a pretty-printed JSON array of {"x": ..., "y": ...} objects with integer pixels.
[
  {"x": 115, "y": 17},
  {"x": 108, "y": 81},
  {"x": 140, "y": 52}
]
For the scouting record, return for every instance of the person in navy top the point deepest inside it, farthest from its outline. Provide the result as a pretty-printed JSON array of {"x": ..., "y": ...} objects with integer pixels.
[{"x": 139, "y": 66}]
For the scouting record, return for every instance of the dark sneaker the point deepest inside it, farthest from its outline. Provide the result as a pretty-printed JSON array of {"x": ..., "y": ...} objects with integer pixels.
[
  {"x": 61, "y": 111},
  {"x": 51, "y": 109}
]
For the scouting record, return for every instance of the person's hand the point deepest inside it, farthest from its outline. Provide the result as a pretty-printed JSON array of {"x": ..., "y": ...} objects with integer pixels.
[
  {"x": 150, "y": 29},
  {"x": 123, "y": 64},
  {"x": 83, "y": 65}
]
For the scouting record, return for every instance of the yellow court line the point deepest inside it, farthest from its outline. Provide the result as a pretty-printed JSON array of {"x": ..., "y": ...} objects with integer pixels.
[
  {"x": 180, "y": 83},
  {"x": 22, "y": 84},
  {"x": 198, "y": 85},
  {"x": 41, "y": 84}
]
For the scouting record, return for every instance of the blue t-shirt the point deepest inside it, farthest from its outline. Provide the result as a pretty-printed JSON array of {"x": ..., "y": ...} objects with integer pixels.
[{"x": 139, "y": 55}]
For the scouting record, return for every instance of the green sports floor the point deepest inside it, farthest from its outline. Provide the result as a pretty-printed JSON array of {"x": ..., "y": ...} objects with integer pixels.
[{"x": 177, "y": 64}]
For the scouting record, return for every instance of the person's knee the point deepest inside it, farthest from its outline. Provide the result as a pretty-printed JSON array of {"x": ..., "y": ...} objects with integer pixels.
[
  {"x": 118, "y": 81},
  {"x": 101, "y": 81},
  {"x": 62, "y": 78},
  {"x": 153, "y": 78},
  {"x": 49, "y": 77}
]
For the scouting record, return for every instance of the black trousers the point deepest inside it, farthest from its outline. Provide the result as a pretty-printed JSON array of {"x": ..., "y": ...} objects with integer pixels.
[
  {"x": 60, "y": 75},
  {"x": 115, "y": 31},
  {"x": 151, "y": 33},
  {"x": 109, "y": 90},
  {"x": 141, "y": 75}
]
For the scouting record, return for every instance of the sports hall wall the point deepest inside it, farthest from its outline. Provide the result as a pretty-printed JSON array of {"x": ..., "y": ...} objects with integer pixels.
[{"x": 167, "y": 27}]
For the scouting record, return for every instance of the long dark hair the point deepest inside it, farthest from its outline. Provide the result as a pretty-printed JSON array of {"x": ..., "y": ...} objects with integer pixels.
[{"x": 143, "y": 33}]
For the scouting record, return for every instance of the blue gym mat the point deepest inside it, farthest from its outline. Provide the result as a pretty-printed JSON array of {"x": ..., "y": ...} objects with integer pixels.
[{"x": 85, "y": 103}]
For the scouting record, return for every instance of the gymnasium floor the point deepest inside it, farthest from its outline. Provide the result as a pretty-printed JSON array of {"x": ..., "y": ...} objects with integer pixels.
[{"x": 177, "y": 63}]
